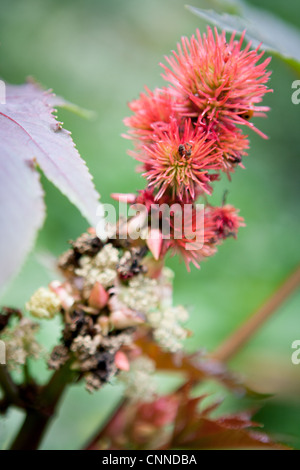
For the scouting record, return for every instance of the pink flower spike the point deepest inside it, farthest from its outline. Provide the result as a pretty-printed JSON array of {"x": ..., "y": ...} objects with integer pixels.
[
  {"x": 121, "y": 361},
  {"x": 154, "y": 242},
  {"x": 99, "y": 296},
  {"x": 225, "y": 221},
  {"x": 151, "y": 110},
  {"x": 215, "y": 78},
  {"x": 128, "y": 198}
]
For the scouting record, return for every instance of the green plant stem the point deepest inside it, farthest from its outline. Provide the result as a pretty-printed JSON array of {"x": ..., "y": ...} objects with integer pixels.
[
  {"x": 10, "y": 389},
  {"x": 26, "y": 371},
  {"x": 38, "y": 418},
  {"x": 245, "y": 332}
]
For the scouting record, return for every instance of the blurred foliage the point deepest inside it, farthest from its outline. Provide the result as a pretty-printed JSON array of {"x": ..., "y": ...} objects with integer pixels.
[{"x": 99, "y": 55}]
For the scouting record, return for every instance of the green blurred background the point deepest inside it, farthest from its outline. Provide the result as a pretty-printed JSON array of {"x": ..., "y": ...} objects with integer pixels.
[{"x": 99, "y": 55}]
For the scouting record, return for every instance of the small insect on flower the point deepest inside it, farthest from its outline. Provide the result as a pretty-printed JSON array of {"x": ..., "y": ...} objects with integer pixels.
[
  {"x": 185, "y": 150},
  {"x": 179, "y": 163}
]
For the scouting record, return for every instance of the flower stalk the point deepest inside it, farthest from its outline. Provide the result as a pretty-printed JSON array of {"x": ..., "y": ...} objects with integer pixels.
[
  {"x": 39, "y": 416},
  {"x": 10, "y": 389},
  {"x": 236, "y": 341}
]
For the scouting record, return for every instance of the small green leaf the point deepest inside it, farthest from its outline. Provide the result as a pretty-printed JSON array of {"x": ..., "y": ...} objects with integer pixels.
[{"x": 73, "y": 108}]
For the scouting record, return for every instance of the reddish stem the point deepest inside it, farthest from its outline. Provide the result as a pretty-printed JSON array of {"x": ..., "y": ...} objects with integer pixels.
[
  {"x": 245, "y": 332},
  {"x": 94, "y": 443}
]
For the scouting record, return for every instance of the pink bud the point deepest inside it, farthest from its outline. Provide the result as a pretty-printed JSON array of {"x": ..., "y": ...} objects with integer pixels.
[
  {"x": 103, "y": 322},
  {"x": 99, "y": 296},
  {"x": 121, "y": 361},
  {"x": 154, "y": 242},
  {"x": 59, "y": 289},
  {"x": 125, "y": 318},
  {"x": 126, "y": 198}
]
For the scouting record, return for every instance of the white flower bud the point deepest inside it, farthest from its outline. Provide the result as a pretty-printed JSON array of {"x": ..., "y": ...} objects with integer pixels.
[
  {"x": 44, "y": 304},
  {"x": 108, "y": 257},
  {"x": 138, "y": 381}
]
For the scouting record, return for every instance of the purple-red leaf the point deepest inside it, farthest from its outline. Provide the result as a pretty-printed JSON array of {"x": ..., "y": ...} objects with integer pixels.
[
  {"x": 176, "y": 421},
  {"x": 30, "y": 109},
  {"x": 22, "y": 209},
  {"x": 30, "y": 136},
  {"x": 195, "y": 367},
  {"x": 195, "y": 429}
]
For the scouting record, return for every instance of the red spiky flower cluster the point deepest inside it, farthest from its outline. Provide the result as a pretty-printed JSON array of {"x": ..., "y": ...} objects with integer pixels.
[{"x": 186, "y": 134}]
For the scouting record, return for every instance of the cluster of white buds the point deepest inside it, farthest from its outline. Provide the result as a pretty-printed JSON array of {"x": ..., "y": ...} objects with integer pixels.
[
  {"x": 110, "y": 291},
  {"x": 153, "y": 298},
  {"x": 21, "y": 343},
  {"x": 139, "y": 380},
  {"x": 141, "y": 294},
  {"x": 86, "y": 345},
  {"x": 101, "y": 268},
  {"x": 166, "y": 324},
  {"x": 44, "y": 304}
]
